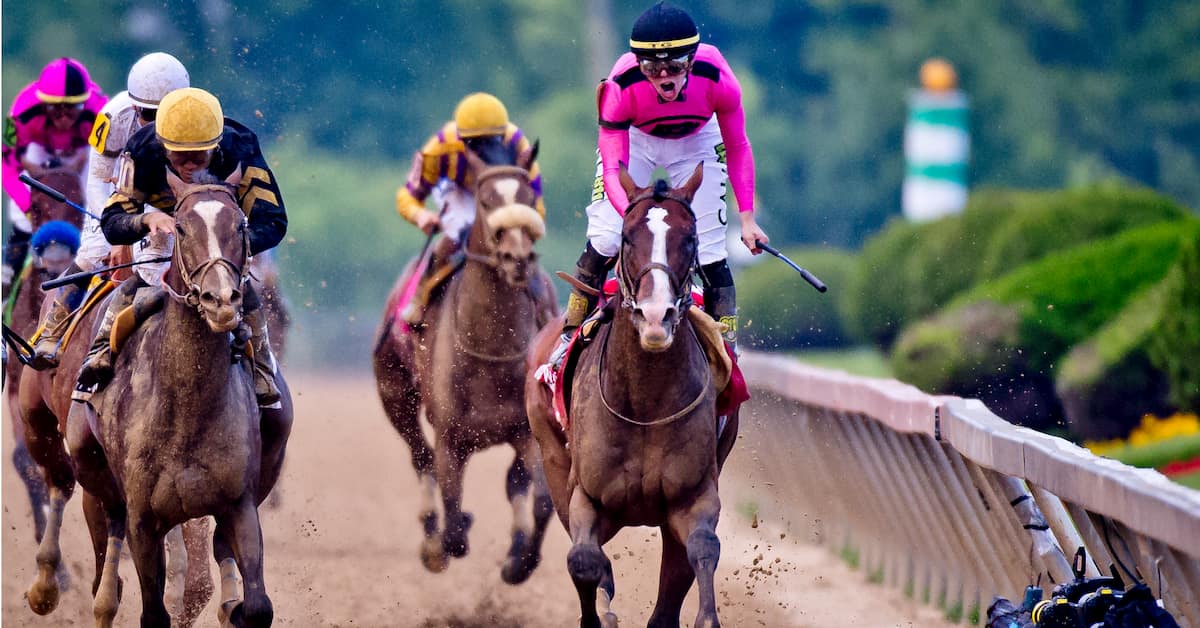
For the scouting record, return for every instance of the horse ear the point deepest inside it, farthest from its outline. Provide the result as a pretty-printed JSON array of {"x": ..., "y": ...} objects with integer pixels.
[
  {"x": 525, "y": 160},
  {"x": 627, "y": 183},
  {"x": 474, "y": 161},
  {"x": 693, "y": 182},
  {"x": 175, "y": 183},
  {"x": 235, "y": 178}
]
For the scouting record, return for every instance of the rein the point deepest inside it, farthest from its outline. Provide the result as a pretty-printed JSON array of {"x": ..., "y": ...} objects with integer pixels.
[
  {"x": 679, "y": 287},
  {"x": 661, "y": 421},
  {"x": 192, "y": 279}
]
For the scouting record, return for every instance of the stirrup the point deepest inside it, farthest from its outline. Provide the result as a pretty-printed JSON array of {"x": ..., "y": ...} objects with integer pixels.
[
  {"x": 45, "y": 360},
  {"x": 560, "y": 350},
  {"x": 93, "y": 377}
]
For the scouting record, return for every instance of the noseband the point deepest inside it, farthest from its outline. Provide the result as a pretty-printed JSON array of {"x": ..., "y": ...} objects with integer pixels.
[
  {"x": 489, "y": 259},
  {"x": 680, "y": 286},
  {"x": 195, "y": 277}
]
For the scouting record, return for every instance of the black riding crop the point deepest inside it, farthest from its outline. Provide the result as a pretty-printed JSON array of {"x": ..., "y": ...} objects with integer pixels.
[
  {"x": 66, "y": 279},
  {"x": 809, "y": 277}
]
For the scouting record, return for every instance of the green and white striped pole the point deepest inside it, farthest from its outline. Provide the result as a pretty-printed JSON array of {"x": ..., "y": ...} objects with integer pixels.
[{"x": 937, "y": 146}]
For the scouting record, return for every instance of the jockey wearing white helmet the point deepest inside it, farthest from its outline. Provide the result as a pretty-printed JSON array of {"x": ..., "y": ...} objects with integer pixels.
[{"x": 150, "y": 79}]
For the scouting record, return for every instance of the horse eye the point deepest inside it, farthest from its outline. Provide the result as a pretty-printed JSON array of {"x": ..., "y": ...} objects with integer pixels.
[{"x": 179, "y": 231}]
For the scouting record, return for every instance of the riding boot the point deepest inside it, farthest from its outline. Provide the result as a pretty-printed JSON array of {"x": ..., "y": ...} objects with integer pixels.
[
  {"x": 720, "y": 299},
  {"x": 265, "y": 390},
  {"x": 45, "y": 351},
  {"x": 14, "y": 256},
  {"x": 436, "y": 271},
  {"x": 591, "y": 270},
  {"x": 97, "y": 369}
]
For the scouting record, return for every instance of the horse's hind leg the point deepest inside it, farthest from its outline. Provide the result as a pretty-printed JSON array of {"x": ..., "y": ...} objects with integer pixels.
[
  {"x": 108, "y": 545},
  {"x": 590, "y": 569},
  {"x": 241, "y": 531},
  {"x": 197, "y": 580},
  {"x": 696, "y": 528},
  {"x": 530, "y": 512},
  {"x": 675, "y": 577}
]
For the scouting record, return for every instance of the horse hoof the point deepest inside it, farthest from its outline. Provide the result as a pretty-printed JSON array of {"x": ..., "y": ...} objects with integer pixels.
[
  {"x": 433, "y": 556},
  {"x": 517, "y": 569},
  {"x": 42, "y": 598},
  {"x": 608, "y": 620},
  {"x": 227, "y": 611}
]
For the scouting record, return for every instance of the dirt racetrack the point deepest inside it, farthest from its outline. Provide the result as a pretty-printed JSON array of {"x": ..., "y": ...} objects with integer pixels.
[{"x": 341, "y": 548}]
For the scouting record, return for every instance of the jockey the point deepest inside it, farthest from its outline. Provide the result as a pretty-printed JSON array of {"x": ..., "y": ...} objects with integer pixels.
[
  {"x": 48, "y": 127},
  {"x": 150, "y": 79},
  {"x": 480, "y": 122},
  {"x": 669, "y": 102},
  {"x": 190, "y": 133}
]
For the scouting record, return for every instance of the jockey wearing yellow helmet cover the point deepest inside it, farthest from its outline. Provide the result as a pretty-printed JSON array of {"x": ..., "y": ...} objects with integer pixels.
[
  {"x": 479, "y": 120},
  {"x": 190, "y": 134}
]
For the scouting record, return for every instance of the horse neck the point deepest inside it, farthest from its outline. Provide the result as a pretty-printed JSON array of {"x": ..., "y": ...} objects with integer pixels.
[
  {"x": 647, "y": 380},
  {"x": 27, "y": 309},
  {"x": 194, "y": 356},
  {"x": 493, "y": 314}
]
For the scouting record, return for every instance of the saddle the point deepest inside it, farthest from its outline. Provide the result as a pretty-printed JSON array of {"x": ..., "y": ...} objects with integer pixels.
[
  {"x": 97, "y": 290},
  {"x": 146, "y": 303},
  {"x": 726, "y": 376}
]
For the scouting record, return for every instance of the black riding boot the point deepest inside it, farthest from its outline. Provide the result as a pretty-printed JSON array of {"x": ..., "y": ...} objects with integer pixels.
[
  {"x": 15, "y": 253},
  {"x": 45, "y": 351},
  {"x": 436, "y": 271},
  {"x": 591, "y": 270},
  {"x": 720, "y": 298},
  {"x": 265, "y": 391},
  {"x": 97, "y": 370}
]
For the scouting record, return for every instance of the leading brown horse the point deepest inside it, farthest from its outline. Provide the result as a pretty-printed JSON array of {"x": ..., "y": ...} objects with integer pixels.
[
  {"x": 464, "y": 368},
  {"x": 25, "y": 312},
  {"x": 645, "y": 446},
  {"x": 177, "y": 434}
]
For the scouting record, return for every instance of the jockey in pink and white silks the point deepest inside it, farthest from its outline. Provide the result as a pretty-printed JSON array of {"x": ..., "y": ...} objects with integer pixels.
[
  {"x": 151, "y": 77},
  {"x": 670, "y": 102},
  {"x": 48, "y": 126}
]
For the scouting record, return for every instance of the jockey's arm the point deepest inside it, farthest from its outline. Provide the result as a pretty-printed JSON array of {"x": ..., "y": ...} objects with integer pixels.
[
  {"x": 731, "y": 118},
  {"x": 262, "y": 202},
  {"x": 410, "y": 197},
  {"x": 122, "y": 221}
]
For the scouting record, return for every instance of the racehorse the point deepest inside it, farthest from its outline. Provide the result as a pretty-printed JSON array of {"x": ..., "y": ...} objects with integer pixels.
[
  {"x": 645, "y": 446},
  {"x": 25, "y": 312},
  {"x": 464, "y": 367},
  {"x": 177, "y": 434}
]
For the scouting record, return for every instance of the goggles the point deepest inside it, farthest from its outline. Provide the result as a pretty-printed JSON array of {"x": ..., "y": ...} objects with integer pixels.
[
  {"x": 62, "y": 109},
  {"x": 655, "y": 67}
]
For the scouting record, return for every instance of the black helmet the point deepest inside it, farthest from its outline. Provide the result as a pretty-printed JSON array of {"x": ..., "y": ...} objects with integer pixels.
[{"x": 664, "y": 31}]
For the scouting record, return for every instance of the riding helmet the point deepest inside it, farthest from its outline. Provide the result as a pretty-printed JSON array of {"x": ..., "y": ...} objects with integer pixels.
[
  {"x": 664, "y": 31},
  {"x": 154, "y": 76},
  {"x": 480, "y": 114},
  {"x": 64, "y": 81},
  {"x": 189, "y": 119}
]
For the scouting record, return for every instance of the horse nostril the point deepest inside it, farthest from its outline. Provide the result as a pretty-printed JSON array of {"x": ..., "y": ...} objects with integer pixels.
[
  {"x": 208, "y": 298},
  {"x": 235, "y": 297},
  {"x": 670, "y": 314}
]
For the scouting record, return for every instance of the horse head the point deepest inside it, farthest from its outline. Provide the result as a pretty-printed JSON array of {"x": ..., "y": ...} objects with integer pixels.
[
  {"x": 44, "y": 209},
  {"x": 658, "y": 256},
  {"x": 506, "y": 223},
  {"x": 212, "y": 248}
]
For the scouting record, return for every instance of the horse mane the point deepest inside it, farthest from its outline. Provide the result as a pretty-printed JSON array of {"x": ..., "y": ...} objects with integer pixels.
[
  {"x": 493, "y": 150},
  {"x": 204, "y": 177},
  {"x": 661, "y": 190}
]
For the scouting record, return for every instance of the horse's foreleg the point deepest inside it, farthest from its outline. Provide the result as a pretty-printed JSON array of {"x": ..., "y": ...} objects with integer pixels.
[
  {"x": 176, "y": 571},
  {"x": 31, "y": 477},
  {"x": 531, "y": 512},
  {"x": 451, "y": 463},
  {"x": 245, "y": 534},
  {"x": 146, "y": 549},
  {"x": 108, "y": 584},
  {"x": 197, "y": 581},
  {"x": 698, "y": 525},
  {"x": 402, "y": 403},
  {"x": 590, "y": 569},
  {"x": 46, "y": 447},
  {"x": 675, "y": 577},
  {"x": 223, "y": 554}
]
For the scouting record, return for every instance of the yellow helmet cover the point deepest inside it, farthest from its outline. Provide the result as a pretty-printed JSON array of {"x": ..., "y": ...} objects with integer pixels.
[
  {"x": 189, "y": 119},
  {"x": 480, "y": 114}
]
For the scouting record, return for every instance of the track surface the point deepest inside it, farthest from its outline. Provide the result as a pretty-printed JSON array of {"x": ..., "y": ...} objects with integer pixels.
[{"x": 341, "y": 549}]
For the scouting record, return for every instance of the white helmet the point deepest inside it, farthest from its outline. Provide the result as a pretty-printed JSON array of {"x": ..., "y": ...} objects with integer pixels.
[{"x": 154, "y": 76}]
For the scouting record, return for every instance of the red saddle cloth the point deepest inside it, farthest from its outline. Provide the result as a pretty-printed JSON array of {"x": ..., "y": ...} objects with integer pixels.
[{"x": 729, "y": 399}]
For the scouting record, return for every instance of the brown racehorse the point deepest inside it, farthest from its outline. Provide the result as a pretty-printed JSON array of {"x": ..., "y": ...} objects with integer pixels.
[
  {"x": 177, "y": 434},
  {"x": 26, "y": 312},
  {"x": 645, "y": 448},
  {"x": 465, "y": 368}
]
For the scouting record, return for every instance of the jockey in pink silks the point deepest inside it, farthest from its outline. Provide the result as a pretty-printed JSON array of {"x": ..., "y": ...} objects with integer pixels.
[{"x": 670, "y": 102}]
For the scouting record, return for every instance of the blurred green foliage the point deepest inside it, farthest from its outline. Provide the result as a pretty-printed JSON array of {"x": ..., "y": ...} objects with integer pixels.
[
  {"x": 781, "y": 311},
  {"x": 1175, "y": 345}
]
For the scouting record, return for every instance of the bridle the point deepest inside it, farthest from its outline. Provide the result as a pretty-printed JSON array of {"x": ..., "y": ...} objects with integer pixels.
[
  {"x": 193, "y": 278},
  {"x": 681, "y": 288},
  {"x": 490, "y": 241}
]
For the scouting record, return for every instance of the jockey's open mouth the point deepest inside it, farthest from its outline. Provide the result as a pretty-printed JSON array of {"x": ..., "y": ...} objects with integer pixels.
[{"x": 667, "y": 89}]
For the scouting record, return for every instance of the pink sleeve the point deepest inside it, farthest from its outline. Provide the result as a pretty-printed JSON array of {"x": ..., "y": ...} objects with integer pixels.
[
  {"x": 613, "y": 143},
  {"x": 732, "y": 120}
]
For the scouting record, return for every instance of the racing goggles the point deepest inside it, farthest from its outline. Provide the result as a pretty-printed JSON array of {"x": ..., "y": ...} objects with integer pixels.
[
  {"x": 62, "y": 109},
  {"x": 654, "y": 68}
]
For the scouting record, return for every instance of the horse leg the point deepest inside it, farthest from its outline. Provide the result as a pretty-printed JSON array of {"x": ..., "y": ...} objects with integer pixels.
[
  {"x": 402, "y": 403},
  {"x": 675, "y": 577},
  {"x": 102, "y": 502},
  {"x": 223, "y": 554},
  {"x": 30, "y": 474},
  {"x": 46, "y": 447},
  {"x": 108, "y": 587},
  {"x": 197, "y": 581},
  {"x": 698, "y": 525},
  {"x": 588, "y": 566},
  {"x": 176, "y": 571},
  {"x": 276, "y": 427},
  {"x": 529, "y": 520},
  {"x": 451, "y": 463},
  {"x": 244, "y": 534},
  {"x": 146, "y": 548}
]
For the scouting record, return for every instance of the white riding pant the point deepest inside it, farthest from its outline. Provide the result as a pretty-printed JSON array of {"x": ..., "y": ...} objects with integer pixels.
[
  {"x": 149, "y": 247},
  {"x": 679, "y": 158},
  {"x": 93, "y": 247}
]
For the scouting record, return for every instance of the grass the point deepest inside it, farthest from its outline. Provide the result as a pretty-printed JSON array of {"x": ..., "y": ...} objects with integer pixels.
[
  {"x": 1155, "y": 455},
  {"x": 865, "y": 361},
  {"x": 1191, "y": 480}
]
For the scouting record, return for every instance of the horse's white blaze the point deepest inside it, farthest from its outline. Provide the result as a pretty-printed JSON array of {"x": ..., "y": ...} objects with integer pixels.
[
  {"x": 657, "y": 223},
  {"x": 208, "y": 211},
  {"x": 507, "y": 189},
  {"x": 522, "y": 512}
]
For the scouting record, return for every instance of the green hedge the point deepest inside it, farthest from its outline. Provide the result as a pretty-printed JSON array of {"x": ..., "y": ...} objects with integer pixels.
[
  {"x": 779, "y": 310},
  {"x": 1175, "y": 346},
  {"x": 908, "y": 270}
]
